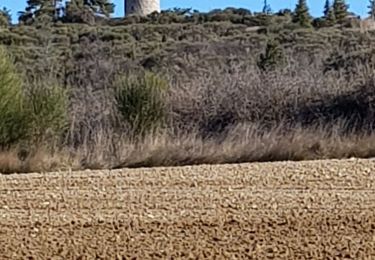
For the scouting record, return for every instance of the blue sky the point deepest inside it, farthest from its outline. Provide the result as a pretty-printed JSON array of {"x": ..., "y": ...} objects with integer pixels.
[{"x": 316, "y": 6}]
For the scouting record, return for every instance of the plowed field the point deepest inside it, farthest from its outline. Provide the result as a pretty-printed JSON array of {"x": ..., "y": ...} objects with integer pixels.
[{"x": 304, "y": 210}]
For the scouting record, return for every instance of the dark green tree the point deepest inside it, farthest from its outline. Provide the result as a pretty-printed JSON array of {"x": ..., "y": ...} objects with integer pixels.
[
  {"x": 266, "y": 8},
  {"x": 272, "y": 57},
  {"x": 101, "y": 7},
  {"x": 41, "y": 8},
  {"x": 329, "y": 14},
  {"x": 83, "y": 10},
  {"x": 76, "y": 12},
  {"x": 301, "y": 14},
  {"x": 340, "y": 10},
  {"x": 327, "y": 8},
  {"x": 331, "y": 19},
  {"x": 372, "y": 9}
]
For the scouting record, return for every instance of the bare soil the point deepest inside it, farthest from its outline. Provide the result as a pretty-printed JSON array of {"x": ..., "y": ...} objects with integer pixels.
[{"x": 287, "y": 210}]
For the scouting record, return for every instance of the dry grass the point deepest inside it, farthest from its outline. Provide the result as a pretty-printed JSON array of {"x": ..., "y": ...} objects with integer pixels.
[
  {"x": 10, "y": 161},
  {"x": 40, "y": 159},
  {"x": 243, "y": 143},
  {"x": 249, "y": 145}
]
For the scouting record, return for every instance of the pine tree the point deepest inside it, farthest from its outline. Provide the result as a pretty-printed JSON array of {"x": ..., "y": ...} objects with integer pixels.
[
  {"x": 41, "y": 8},
  {"x": 266, "y": 8},
  {"x": 272, "y": 57},
  {"x": 340, "y": 10},
  {"x": 331, "y": 19},
  {"x": 301, "y": 14},
  {"x": 84, "y": 11},
  {"x": 327, "y": 8},
  {"x": 103, "y": 7},
  {"x": 74, "y": 12},
  {"x": 329, "y": 15},
  {"x": 372, "y": 9}
]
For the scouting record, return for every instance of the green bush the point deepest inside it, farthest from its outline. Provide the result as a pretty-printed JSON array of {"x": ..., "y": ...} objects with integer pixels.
[
  {"x": 40, "y": 113},
  {"x": 47, "y": 107},
  {"x": 141, "y": 102},
  {"x": 272, "y": 57},
  {"x": 13, "y": 123}
]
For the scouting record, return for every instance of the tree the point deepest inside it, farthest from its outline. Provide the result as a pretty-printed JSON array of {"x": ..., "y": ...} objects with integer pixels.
[
  {"x": 372, "y": 9},
  {"x": 266, "y": 8},
  {"x": 272, "y": 57},
  {"x": 76, "y": 12},
  {"x": 301, "y": 14},
  {"x": 41, "y": 8},
  {"x": 5, "y": 17},
  {"x": 340, "y": 10},
  {"x": 83, "y": 10},
  {"x": 327, "y": 8},
  {"x": 101, "y": 7},
  {"x": 329, "y": 14},
  {"x": 49, "y": 7}
]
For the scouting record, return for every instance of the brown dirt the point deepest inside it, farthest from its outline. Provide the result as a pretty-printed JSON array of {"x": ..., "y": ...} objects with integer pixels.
[{"x": 304, "y": 210}]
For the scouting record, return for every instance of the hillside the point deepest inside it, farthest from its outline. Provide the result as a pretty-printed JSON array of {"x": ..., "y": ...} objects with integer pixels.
[{"x": 176, "y": 89}]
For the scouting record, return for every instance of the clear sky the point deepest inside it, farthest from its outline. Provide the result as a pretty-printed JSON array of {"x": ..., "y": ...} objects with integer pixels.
[{"x": 316, "y": 6}]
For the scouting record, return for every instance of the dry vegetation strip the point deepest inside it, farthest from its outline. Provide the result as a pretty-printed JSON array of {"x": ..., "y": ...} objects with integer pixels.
[{"x": 318, "y": 210}]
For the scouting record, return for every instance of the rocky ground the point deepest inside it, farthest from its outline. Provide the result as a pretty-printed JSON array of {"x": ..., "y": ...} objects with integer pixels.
[{"x": 287, "y": 210}]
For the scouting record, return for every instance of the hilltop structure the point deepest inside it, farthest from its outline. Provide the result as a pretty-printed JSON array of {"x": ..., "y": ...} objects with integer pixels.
[{"x": 141, "y": 7}]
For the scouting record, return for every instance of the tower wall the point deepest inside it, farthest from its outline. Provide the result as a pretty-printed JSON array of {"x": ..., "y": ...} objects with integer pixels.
[{"x": 141, "y": 7}]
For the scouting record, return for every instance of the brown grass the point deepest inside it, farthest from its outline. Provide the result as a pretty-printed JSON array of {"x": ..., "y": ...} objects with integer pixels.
[
  {"x": 40, "y": 159},
  {"x": 244, "y": 143},
  {"x": 249, "y": 145}
]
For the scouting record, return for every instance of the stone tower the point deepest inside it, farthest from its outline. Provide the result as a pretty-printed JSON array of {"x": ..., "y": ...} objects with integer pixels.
[{"x": 141, "y": 7}]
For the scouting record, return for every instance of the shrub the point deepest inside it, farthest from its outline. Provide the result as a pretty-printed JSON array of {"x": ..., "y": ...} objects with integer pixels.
[
  {"x": 5, "y": 18},
  {"x": 13, "y": 125},
  {"x": 47, "y": 107},
  {"x": 31, "y": 117},
  {"x": 141, "y": 102},
  {"x": 272, "y": 57}
]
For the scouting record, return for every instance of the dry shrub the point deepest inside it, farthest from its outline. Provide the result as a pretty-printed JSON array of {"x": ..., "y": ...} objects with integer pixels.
[
  {"x": 42, "y": 159},
  {"x": 9, "y": 161},
  {"x": 36, "y": 159},
  {"x": 244, "y": 143}
]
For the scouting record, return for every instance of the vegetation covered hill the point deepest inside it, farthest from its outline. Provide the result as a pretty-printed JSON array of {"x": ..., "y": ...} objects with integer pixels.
[{"x": 184, "y": 87}]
